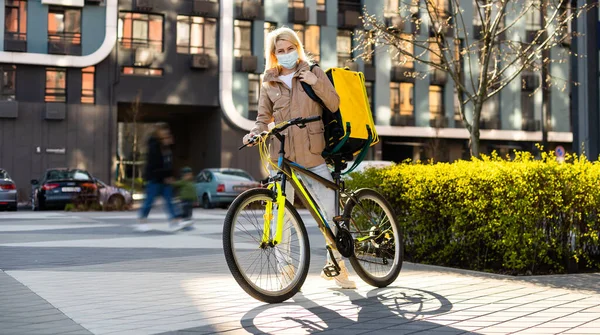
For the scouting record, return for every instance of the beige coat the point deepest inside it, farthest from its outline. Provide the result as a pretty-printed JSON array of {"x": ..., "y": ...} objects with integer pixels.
[{"x": 279, "y": 103}]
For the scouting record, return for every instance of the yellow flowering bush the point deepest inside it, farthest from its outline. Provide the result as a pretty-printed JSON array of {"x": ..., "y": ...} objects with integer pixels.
[{"x": 515, "y": 216}]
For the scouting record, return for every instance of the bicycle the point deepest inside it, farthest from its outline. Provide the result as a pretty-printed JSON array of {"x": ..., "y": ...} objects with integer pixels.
[{"x": 356, "y": 237}]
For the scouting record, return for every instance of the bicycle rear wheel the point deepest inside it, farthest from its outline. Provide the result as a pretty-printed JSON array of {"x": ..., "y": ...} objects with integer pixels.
[
  {"x": 268, "y": 273},
  {"x": 378, "y": 247}
]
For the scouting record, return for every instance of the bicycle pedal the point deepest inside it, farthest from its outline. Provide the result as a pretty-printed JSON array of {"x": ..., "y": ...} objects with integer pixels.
[{"x": 331, "y": 271}]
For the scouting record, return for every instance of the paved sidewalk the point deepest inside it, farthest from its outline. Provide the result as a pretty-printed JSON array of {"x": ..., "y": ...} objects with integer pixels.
[{"x": 88, "y": 273}]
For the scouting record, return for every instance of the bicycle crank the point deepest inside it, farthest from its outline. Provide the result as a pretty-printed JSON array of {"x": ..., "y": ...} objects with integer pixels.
[{"x": 344, "y": 242}]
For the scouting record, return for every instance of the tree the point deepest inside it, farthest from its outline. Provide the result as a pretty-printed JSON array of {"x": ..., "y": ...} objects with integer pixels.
[{"x": 483, "y": 62}]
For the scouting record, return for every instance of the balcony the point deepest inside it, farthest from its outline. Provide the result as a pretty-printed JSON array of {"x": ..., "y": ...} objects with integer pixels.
[
  {"x": 247, "y": 63},
  {"x": 402, "y": 73},
  {"x": 438, "y": 121},
  {"x": 61, "y": 43},
  {"x": 9, "y": 109},
  {"x": 531, "y": 125},
  {"x": 204, "y": 61},
  {"x": 490, "y": 123},
  {"x": 438, "y": 77},
  {"x": 298, "y": 15},
  {"x": 144, "y": 5},
  {"x": 55, "y": 111},
  {"x": 531, "y": 81},
  {"x": 249, "y": 10},
  {"x": 205, "y": 8},
  {"x": 395, "y": 22},
  {"x": 349, "y": 19},
  {"x": 402, "y": 120},
  {"x": 15, "y": 42}
]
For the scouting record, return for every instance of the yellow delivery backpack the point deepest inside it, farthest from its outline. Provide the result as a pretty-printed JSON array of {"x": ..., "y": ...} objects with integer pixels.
[{"x": 349, "y": 131}]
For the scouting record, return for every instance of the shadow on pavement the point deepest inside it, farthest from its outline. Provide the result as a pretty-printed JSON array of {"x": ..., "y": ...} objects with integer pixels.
[{"x": 397, "y": 309}]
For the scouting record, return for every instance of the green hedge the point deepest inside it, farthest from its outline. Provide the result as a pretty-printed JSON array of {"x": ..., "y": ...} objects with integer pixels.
[{"x": 518, "y": 216}]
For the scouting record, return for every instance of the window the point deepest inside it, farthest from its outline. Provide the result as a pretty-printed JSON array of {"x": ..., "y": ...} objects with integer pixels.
[
  {"x": 15, "y": 20},
  {"x": 369, "y": 88},
  {"x": 436, "y": 102},
  {"x": 435, "y": 53},
  {"x": 391, "y": 8},
  {"x": 439, "y": 8},
  {"x": 368, "y": 51},
  {"x": 142, "y": 71},
  {"x": 321, "y": 5},
  {"x": 269, "y": 26},
  {"x": 87, "y": 85},
  {"x": 296, "y": 3},
  {"x": 140, "y": 30},
  {"x": 299, "y": 29},
  {"x": 56, "y": 85},
  {"x": 401, "y": 98},
  {"x": 312, "y": 42},
  {"x": 242, "y": 38},
  {"x": 344, "y": 47},
  {"x": 254, "y": 82},
  {"x": 196, "y": 35},
  {"x": 64, "y": 24},
  {"x": 534, "y": 18},
  {"x": 403, "y": 60},
  {"x": 7, "y": 82}
]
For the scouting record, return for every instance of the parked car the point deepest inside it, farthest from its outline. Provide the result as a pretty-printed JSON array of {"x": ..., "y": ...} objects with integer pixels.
[
  {"x": 8, "y": 192},
  {"x": 114, "y": 197},
  {"x": 218, "y": 187},
  {"x": 62, "y": 186}
]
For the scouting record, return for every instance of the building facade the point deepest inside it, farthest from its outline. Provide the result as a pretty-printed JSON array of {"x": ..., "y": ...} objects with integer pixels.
[{"x": 76, "y": 74}]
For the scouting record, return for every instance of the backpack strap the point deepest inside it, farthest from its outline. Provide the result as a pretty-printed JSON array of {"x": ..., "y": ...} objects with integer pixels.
[
  {"x": 311, "y": 92},
  {"x": 363, "y": 152}
]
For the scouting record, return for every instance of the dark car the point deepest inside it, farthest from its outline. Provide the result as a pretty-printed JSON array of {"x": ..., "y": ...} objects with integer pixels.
[
  {"x": 8, "y": 192},
  {"x": 59, "y": 187}
]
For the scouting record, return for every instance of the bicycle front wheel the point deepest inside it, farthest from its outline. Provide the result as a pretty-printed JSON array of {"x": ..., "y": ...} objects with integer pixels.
[
  {"x": 378, "y": 247},
  {"x": 267, "y": 272}
]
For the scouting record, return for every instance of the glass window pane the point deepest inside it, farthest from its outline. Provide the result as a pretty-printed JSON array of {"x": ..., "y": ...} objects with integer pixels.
[
  {"x": 23, "y": 17},
  {"x": 183, "y": 32},
  {"x": 435, "y": 101},
  {"x": 73, "y": 21},
  {"x": 210, "y": 34},
  {"x": 11, "y": 20},
  {"x": 140, "y": 30},
  {"x": 312, "y": 40},
  {"x": 56, "y": 22},
  {"x": 406, "y": 98}
]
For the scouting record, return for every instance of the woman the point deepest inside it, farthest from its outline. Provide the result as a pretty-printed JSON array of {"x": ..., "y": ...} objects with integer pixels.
[{"x": 282, "y": 98}]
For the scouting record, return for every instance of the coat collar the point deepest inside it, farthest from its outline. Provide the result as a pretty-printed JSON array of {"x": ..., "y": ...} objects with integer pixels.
[{"x": 272, "y": 74}]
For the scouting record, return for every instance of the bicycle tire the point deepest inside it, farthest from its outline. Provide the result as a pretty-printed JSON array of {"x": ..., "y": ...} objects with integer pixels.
[
  {"x": 391, "y": 276},
  {"x": 230, "y": 256}
]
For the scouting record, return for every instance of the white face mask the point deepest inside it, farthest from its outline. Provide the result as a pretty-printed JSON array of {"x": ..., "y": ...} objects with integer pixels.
[{"x": 288, "y": 60}]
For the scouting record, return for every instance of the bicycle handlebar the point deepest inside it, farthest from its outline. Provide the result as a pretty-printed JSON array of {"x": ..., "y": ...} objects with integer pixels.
[{"x": 299, "y": 121}]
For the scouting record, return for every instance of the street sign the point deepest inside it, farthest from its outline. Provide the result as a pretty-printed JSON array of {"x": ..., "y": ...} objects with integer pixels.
[{"x": 560, "y": 151}]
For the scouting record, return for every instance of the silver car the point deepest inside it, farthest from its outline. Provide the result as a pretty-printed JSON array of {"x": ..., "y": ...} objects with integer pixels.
[
  {"x": 8, "y": 192},
  {"x": 219, "y": 187},
  {"x": 114, "y": 197}
]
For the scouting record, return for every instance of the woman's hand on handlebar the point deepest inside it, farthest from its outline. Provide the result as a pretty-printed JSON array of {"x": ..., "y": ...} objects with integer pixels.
[{"x": 249, "y": 139}]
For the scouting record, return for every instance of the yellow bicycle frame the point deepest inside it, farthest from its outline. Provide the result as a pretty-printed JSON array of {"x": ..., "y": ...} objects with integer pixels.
[{"x": 280, "y": 200}]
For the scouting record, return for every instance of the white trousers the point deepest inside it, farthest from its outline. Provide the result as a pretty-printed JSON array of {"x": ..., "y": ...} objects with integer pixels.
[{"x": 325, "y": 199}]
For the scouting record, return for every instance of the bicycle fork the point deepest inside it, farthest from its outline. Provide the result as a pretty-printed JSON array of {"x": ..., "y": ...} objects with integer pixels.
[{"x": 268, "y": 218}]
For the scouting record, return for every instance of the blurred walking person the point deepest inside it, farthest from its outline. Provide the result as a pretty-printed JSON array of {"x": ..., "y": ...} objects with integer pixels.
[{"x": 159, "y": 176}]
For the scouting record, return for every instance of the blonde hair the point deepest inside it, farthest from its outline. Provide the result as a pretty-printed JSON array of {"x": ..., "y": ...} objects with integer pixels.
[{"x": 279, "y": 34}]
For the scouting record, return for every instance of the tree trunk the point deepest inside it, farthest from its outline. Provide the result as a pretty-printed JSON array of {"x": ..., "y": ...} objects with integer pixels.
[{"x": 474, "y": 131}]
